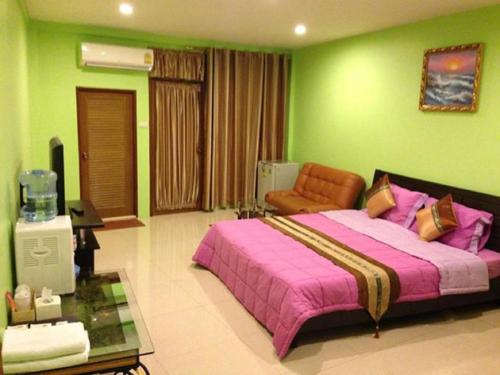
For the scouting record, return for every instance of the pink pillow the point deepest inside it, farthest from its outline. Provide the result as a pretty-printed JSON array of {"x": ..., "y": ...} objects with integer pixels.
[
  {"x": 473, "y": 231},
  {"x": 407, "y": 204}
]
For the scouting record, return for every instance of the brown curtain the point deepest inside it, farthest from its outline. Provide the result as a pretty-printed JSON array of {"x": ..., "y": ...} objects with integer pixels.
[
  {"x": 177, "y": 140},
  {"x": 245, "y": 116},
  {"x": 178, "y": 65},
  {"x": 274, "y": 107}
]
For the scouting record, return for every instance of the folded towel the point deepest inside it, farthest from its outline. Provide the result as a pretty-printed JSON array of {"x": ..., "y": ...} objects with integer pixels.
[
  {"x": 20, "y": 345},
  {"x": 49, "y": 364}
]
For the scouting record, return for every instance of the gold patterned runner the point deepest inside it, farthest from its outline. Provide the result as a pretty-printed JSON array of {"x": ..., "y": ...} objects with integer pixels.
[{"x": 378, "y": 285}]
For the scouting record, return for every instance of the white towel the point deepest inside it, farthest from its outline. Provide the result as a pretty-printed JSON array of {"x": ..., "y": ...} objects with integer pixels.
[
  {"x": 41, "y": 343},
  {"x": 48, "y": 364}
]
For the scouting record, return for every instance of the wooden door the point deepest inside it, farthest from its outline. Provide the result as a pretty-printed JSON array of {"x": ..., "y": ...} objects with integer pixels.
[{"x": 107, "y": 150}]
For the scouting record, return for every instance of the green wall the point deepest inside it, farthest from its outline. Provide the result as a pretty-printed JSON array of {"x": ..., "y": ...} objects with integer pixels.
[
  {"x": 14, "y": 131},
  {"x": 355, "y": 105},
  {"x": 54, "y": 75}
]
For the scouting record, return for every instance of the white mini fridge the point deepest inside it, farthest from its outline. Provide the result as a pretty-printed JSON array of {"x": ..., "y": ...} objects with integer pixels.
[{"x": 275, "y": 175}]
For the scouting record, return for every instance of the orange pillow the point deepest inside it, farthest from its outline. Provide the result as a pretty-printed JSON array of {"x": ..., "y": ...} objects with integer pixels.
[
  {"x": 379, "y": 197},
  {"x": 436, "y": 220}
]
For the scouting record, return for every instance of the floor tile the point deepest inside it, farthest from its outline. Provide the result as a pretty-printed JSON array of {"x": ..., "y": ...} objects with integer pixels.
[
  {"x": 180, "y": 332},
  {"x": 235, "y": 317},
  {"x": 310, "y": 357},
  {"x": 153, "y": 365},
  {"x": 489, "y": 312},
  {"x": 446, "y": 348},
  {"x": 392, "y": 333},
  {"x": 203, "y": 286},
  {"x": 161, "y": 298},
  {"x": 226, "y": 357}
]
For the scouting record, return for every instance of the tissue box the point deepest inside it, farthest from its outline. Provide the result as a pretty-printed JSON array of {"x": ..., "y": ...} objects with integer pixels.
[
  {"x": 48, "y": 310},
  {"x": 25, "y": 316}
]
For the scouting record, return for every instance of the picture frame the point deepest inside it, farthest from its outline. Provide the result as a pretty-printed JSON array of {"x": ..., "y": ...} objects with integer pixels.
[{"x": 450, "y": 78}]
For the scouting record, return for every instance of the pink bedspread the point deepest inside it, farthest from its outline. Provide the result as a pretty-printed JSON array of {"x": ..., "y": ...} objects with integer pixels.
[
  {"x": 460, "y": 272},
  {"x": 283, "y": 283}
]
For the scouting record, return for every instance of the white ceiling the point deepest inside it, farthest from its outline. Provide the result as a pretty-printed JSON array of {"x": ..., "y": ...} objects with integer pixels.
[{"x": 256, "y": 22}]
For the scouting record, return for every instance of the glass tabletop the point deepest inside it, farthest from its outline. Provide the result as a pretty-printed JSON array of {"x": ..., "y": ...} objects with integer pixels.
[{"x": 105, "y": 303}]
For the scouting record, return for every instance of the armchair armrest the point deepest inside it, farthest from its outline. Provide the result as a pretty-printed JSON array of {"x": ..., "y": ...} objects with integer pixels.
[{"x": 320, "y": 207}]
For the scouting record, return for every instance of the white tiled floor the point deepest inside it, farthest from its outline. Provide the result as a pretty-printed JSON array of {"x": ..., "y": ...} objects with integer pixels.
[{"x": 198, "y": 328}]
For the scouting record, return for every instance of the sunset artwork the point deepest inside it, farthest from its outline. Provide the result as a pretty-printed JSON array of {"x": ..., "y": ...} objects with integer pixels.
[{"x": 450, "y": 78}]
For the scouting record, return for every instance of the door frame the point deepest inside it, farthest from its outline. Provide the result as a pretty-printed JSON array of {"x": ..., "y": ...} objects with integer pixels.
[
  {"x": 152, "y": 145},
  {"x": 82, "y": 142}
]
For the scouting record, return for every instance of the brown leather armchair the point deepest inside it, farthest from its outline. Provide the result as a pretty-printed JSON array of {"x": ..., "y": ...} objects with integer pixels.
[{"x": 318, "y": 188}]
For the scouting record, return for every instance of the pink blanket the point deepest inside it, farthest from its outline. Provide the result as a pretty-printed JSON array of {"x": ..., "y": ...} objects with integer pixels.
[
  {"x": 283, "y": 283},
  {"x": 460, "y": 272}
]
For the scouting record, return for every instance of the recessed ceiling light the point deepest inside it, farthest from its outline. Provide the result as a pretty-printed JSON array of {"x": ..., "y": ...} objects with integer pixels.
[
  {"x": 300, "y": 29},
  {"x": 126, "y": 9}
]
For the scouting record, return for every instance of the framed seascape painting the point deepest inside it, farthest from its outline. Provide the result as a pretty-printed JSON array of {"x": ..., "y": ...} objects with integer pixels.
[{"x": 450, "y": 78}]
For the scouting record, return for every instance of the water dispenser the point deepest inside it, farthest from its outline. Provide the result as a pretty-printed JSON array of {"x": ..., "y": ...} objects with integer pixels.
[{"x": 38, "y": 195}]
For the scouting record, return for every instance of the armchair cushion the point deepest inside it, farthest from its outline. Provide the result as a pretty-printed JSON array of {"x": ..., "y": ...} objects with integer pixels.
[{"x": 272, "y": 195}]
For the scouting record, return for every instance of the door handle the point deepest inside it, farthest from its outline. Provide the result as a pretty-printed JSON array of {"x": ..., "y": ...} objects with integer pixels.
[{"x": 85, "y": 156}]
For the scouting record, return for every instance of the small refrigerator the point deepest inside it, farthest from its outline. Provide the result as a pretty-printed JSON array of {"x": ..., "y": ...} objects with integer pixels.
[{"x": 274, "y": 175}]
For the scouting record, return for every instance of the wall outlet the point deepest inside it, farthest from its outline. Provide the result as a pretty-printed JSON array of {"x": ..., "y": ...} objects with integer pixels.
[{"x": 143, "y": 124}]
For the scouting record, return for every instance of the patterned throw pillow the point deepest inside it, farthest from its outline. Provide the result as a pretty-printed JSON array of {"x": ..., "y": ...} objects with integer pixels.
[
  {"x": 379, "y": 197},
  {"x": 436, "y": 220},
  {"x": 408, "y": 202},
  {"x": 473, "y": 231}
]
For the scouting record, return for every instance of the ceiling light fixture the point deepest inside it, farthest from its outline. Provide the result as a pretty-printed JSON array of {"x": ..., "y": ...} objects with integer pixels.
[
  {"x": 300, "y": 29},
  {"x": 126, "y": 9}
]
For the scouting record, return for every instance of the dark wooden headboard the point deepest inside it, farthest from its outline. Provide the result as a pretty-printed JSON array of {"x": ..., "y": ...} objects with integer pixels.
[{"x": 468, "y": 198}]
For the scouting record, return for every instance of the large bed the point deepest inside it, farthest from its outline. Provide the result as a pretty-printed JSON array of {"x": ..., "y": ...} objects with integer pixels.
[{"x": 291, "y": 289}]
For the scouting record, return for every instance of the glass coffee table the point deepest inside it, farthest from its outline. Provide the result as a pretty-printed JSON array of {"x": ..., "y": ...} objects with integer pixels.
[
  {"x": 106, "y": 305},
  {"x": 254, "y": 211}
]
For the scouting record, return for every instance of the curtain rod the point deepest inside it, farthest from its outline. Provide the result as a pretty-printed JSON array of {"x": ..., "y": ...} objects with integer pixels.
[
  {"x": 183, "y": 48},
  {"x": 204, "y": 49}
]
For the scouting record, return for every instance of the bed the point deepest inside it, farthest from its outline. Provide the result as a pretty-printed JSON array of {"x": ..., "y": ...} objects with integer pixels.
[{"x": 292, "y": 290}]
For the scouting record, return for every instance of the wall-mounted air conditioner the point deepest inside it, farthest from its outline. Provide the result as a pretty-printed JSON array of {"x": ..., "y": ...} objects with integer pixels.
[{"x": 109, "y": 56}]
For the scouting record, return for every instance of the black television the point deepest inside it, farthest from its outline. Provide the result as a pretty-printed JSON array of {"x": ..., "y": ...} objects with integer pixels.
[{"x": 56, "y": 156}]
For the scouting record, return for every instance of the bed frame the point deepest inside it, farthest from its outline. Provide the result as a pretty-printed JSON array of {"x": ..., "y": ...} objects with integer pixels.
[{"x": 469, "y": 198}]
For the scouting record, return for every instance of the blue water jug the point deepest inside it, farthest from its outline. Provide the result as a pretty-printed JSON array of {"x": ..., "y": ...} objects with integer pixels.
[{"x": 38, "y": 195}]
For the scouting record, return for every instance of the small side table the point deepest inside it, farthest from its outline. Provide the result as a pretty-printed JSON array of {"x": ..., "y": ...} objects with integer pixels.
[
  {"x": 254, "y": 212},
  {"x": 84, "y": 218},
  {"x": 106, "y": 305}
]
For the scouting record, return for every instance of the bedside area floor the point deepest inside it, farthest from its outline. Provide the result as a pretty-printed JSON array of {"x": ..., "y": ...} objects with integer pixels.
[{"x": 198, "y": 327}]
